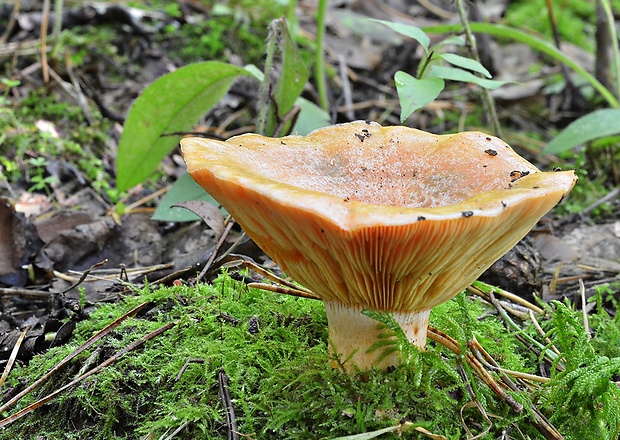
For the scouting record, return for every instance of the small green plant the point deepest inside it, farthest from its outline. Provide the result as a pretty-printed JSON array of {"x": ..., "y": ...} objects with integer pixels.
[
  {"x": 7, "y": 84},
  {"x": 584, "y": 389},
  {"x": 415, "y": 92},
  {"x": 7, "y": 115},
  {"x": 594, "y": 127},
  {"x": 394, "y": 339},
  {"x": 591, "y": 187},
  {"x": 39, "y": 180},
  {"x": 598, "y": 124},
  {"x": 606, "y": 327},
  {"x": 535, "y": 42}
]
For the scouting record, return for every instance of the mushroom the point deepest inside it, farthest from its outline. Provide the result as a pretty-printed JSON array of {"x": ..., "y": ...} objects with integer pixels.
[{"x": 389, "y": 219}]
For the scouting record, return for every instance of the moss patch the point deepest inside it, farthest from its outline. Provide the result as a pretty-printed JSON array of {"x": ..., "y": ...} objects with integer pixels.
[{"x": 273, "y": 350}]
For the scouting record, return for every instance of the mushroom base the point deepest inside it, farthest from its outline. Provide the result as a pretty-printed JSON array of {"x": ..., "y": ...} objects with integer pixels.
[{"x": 352, "y": 334}]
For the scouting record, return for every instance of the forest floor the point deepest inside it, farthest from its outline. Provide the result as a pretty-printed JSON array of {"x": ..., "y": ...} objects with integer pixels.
[{"x": 81, "y": 259}]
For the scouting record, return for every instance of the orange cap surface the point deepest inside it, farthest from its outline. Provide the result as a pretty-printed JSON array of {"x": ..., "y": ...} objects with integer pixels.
[{"x": 385, "y": 218}]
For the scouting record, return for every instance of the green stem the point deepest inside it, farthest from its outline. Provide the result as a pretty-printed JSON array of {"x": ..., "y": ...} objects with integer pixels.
[
  {"x": 57, "y": 26},
  {"x": 615, "y": 50},
  {"x": 291, "y": 19},
  {"x": 320, "y": 55},
  {"x": 535, "y": 43},
  {"x": 519, "y": 330},
  {"x": 487, "y": 99},
  {"x": 425, "y": 62}
]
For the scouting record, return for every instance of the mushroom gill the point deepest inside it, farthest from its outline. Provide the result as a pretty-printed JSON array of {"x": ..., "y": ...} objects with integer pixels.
[{"x": 381, "y": 218}]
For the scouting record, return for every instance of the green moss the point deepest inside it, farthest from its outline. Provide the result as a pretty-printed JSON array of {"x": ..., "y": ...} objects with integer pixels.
[
  {"x": 238, "y": 27},
  {"x": 590, "y": 165},
  {"x": 78, "y": 143},
  {"x": 280, "y": 380}
]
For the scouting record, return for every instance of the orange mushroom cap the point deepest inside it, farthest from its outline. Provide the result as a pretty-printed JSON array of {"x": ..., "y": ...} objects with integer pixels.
[{"x": 383, "y": 218}]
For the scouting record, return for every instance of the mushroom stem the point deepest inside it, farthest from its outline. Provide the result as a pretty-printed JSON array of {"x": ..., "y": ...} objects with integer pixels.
[{"x": 352, "y": 334}]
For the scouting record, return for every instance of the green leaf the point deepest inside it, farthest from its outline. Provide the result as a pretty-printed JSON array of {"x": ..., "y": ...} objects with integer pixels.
[
  {"x": 456, "y": 40},
  {"x": 292, "y": 77},
  {"x": 409, "y": 31},
  {"x": 465, "y": 63},
  {"x": 370, "y": 435},
  {"x": 311, "y": 117},
  {"x": 415, "y": 93},
  {"x": 254, "y": 71},
  {"x": 535, "y": 42},
  {"x": 455, "y": 74},
  {"x": 173, "y": 103},
  {"x": 595, "y": 125},
  {"x": 361, "y": 25},
  {"x": 294, "y": 74},
  {"x": 183, "y": 190}
]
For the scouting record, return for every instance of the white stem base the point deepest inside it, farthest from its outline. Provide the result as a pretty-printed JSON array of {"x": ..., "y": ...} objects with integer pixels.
[{"x": 351, "y": 334}]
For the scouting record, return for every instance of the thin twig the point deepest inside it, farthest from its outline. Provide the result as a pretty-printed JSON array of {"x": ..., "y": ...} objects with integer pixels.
[
  {"x": 438, "y": 11},
  {"x": 543, "y": 334},
  {"x": 44, "y": 23},
  {"x": 473, "y": 402},
  {"x": 452, "y": 345},
  {"x": 11, "y": 24},
  {"x": 487, "y": 99},
  {"x": 612, "y": 195},
  {"x": 484, "y": 287},
  {"x": 282, "y": 286},
  {"x": 486, "y": 359},
  {"x": 96, "y": 337},
  {"x": 346, "y": 88},
  {"x": 444, "y": 339},
  {"x": 79, "y": 95},
  {"x": 584, "y": 311},
  {"x": 514, "y": 326},
  {"x": 185, "y": 365},
  {"x": 67, "y": 87},
  {"x": 554, "y": 281},
  {"x": 85, "y": 274},
  {"x": 97, "y": 369},
  {"x": 492, "y": 384},
  {"x": 110, "y": 274},
  {"x": 220, "y": 130},
  {"x": 218, "y": 245},
  {"x": 276, "y": 279},
  {"x": 282, "y": 290},
  {"x": 174, "y": 433},
  {"x": 231, "y": 421},
  {"x": 24, "y": 293},
  {"x": 13, "y": 356},
  {"x": 291, "y": 116},
  {"x": 22, "y": 48},
  {"x": 542, "y": 424},
  {"x": 320, "y": 55},
  {"x": 143, "y": 200}
]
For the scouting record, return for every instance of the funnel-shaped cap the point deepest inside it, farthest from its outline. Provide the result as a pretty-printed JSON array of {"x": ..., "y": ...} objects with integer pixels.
[{"x": 383, "y": 218}]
